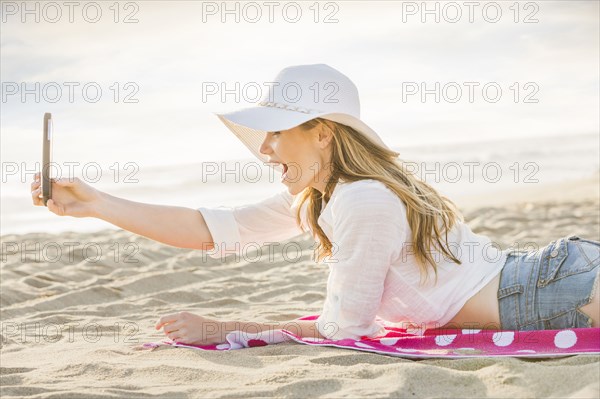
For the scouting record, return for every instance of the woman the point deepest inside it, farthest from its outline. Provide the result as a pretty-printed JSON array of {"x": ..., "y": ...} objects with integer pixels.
[{"x": 397, "y": 250}]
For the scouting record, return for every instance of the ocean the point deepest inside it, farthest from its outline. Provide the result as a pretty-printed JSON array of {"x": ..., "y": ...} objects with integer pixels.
[{"x": 455, "y": 170}]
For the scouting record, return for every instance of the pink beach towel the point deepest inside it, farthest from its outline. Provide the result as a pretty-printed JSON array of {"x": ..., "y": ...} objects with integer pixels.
[{"x": 446, "y": 343}]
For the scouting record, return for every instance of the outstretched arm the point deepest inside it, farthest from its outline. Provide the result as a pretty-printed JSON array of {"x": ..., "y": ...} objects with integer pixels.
[
  {"x": 192, "y": 329},
  {"x": 172, "y": 225}
]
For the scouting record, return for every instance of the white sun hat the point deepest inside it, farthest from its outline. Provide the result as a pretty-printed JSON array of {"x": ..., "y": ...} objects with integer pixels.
[{"x": 298, "y": 94}]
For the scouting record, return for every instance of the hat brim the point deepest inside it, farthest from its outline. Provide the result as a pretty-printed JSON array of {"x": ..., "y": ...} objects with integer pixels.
[{"x": 250, "y": 125}]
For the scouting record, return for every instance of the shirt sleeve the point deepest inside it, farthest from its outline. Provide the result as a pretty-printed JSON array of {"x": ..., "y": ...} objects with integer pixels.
[
  {"x": 250, "y": 226},
  {"x": 369, "y": 228}
]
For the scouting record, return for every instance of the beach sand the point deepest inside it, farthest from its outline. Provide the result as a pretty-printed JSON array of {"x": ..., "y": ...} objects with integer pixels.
[{"x": 104, "y": 307}]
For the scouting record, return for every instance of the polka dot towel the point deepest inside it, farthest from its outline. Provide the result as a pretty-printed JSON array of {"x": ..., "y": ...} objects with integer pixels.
[{"x": 446, "y": 343}]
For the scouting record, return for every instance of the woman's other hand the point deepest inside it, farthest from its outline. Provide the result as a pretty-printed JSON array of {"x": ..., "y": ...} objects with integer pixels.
[{"x": 192, "y": 329}]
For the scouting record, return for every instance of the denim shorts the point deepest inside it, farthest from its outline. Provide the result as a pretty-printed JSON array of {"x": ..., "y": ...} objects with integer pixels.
[{"x": 543, "y": 289}]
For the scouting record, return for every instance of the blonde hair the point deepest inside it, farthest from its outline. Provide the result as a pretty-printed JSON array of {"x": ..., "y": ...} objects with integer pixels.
[{"x": 355, "y": 157}]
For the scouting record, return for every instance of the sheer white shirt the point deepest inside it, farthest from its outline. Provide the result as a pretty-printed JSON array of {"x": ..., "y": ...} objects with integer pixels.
[{"x": 373, "y": 274}]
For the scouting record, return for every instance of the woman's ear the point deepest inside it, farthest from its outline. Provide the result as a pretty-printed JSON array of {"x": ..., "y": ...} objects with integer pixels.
[{"x": 325, "y": 135}]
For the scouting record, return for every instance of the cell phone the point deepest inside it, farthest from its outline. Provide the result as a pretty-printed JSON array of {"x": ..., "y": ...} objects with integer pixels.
[{"x": 47, "y": 158}]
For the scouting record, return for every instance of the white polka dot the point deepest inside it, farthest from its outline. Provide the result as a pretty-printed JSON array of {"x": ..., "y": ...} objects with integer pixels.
[
  {"x": 526, "y": 351},
  {"x": 361, "y": 345},
  {"x": 389, "y": 341},
  {"x": 222, "y": 346},
  {"x": 470, "y": 331},
  {"x": 503, "y": 338},
  {"x": 565, "y": 339},
  {"x": 443, "y": 340},
  {"x": 405, "y": 350}
]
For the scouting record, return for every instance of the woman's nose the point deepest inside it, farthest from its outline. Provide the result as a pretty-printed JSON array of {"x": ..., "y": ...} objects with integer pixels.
[{"x": 265, "y": 148}]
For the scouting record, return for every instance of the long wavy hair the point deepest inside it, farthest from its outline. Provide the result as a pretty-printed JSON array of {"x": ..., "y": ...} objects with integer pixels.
[{"x": 356, "y": 157}]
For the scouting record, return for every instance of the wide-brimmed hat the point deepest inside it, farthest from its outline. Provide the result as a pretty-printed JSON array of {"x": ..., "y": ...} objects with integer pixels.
[{"x": 298, "y": 94}]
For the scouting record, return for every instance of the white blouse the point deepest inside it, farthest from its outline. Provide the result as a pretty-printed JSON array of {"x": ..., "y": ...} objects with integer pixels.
[{"x": 373, "y": 274}]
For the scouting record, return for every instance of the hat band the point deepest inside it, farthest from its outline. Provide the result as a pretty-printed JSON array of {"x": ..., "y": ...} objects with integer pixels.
[{"x": 289, "y": 107}]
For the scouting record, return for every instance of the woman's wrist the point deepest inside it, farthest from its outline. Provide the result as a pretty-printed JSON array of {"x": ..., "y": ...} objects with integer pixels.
[{"x": 100, "y": 206}]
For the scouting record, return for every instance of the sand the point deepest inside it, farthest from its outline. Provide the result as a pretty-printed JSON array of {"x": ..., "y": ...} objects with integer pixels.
[{"x": 104, "y": 307}]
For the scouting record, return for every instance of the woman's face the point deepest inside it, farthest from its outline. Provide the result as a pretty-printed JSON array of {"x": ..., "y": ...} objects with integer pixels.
[{"x": 305, "y": 153}]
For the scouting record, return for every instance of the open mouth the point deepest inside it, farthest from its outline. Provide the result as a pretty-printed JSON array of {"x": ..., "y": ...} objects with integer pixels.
[{"x": 284, "y": 168}]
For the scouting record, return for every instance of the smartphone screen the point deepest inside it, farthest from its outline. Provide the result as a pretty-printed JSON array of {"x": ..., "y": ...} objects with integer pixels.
[{"x": 47, "y": 158}]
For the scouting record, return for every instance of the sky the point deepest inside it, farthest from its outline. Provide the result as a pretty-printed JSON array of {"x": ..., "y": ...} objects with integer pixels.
[
  {"x": 176, "y": 47},
  {"x": 152, "y": 60}
]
